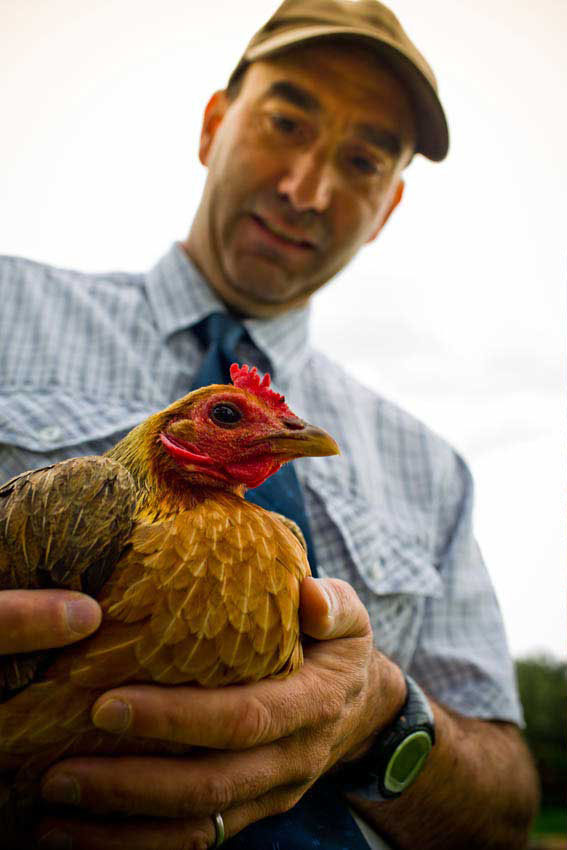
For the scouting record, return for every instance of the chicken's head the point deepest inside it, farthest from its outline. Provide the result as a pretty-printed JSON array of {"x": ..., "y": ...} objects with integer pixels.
[{"x": 230, "y": 436}]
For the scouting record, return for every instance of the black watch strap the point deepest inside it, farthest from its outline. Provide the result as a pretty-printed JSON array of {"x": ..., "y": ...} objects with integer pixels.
[{"x": 397, "y": 754}]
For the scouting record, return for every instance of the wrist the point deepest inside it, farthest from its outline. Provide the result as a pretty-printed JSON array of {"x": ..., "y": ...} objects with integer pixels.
[
  {"x": 397, "y": 753},
  {"x": 387, "y": 693}
]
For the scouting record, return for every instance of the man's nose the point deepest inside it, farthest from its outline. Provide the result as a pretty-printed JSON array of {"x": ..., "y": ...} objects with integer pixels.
[{"x": 308, "y": 182}]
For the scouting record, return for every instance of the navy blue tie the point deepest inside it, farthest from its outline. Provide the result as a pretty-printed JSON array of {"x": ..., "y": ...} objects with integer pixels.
[
  {"x": 321, "y": 818},
  {"x": 220, "y": 333}
]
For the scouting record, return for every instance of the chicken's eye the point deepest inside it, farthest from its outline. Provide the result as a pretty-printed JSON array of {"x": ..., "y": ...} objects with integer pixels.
[{"x": 225, "y": 415}]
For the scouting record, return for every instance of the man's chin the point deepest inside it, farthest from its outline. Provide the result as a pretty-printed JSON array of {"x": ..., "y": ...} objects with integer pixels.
[
  {"x": 261, "y": 296},
  {"x": 250, "y": 304}
]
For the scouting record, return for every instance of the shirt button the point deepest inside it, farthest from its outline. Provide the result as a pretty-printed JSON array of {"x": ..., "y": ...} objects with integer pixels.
[{"x": 50, "y": 433}]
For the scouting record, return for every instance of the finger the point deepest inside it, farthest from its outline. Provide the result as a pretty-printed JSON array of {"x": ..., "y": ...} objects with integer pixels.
[
  {"x": 41, "y": 619},
  {"x": 244, "y": 716},
  {"x": 152, "y": 834},
  {"x": 132, "y": 834},
  {"x": 233, "y": 718},
  {"x": 192, "y": 786},
  {"x": 330, "y": 608}
]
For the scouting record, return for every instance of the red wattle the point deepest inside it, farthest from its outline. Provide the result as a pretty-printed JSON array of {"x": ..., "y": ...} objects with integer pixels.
[
  {"x": 181, "y": 450},
  {"x": 253, "y": 473}
]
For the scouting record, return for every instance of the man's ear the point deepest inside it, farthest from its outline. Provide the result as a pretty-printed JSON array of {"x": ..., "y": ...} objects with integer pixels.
[
  {"x": 397, "y": 197},
  {"x": 214, "y": 113}
]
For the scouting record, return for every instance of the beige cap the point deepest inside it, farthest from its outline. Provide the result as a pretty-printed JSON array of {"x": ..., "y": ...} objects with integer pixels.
[{"x": 298, "y": 21}]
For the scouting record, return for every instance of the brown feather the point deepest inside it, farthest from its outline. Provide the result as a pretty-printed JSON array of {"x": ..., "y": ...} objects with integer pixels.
[
  {"x": 199, "y": 620},
  {"x": 61, "y": 526}
]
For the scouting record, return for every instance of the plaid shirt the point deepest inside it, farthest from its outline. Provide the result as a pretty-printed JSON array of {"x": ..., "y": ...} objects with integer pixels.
[{"x": 85, "y": 357}]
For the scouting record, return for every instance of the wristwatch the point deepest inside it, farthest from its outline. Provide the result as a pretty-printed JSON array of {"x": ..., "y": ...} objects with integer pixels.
[{"x": 397, "y": 754}]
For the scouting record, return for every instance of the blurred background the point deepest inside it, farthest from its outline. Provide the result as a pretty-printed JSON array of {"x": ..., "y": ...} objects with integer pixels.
[{"x": 456, "y": 312}]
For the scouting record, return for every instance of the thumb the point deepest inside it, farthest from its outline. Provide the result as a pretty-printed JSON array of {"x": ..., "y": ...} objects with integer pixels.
[{"x": 330, "y": 608}]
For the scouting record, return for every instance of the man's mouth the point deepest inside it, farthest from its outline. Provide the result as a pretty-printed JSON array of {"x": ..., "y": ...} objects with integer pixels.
[{"x": 285, "y": 237}]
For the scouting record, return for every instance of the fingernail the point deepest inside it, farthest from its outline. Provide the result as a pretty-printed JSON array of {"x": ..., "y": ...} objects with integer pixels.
[
  {"x": 113, "y": 716},
  {"x": 83, "y": 616},
  {"x": 56, "y": 840},
  {"x": 61, "y": 788}
]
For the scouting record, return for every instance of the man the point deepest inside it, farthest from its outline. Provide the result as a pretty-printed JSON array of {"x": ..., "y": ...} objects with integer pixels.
[{"x": 305, "y": 152}]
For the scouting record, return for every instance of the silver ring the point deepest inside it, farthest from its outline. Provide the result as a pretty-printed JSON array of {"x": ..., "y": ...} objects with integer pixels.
[{"x": 219, "y": 829}]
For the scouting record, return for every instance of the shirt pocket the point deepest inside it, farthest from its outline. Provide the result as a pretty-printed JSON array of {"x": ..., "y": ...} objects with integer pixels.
[
  {"x": 389, "y": 566},
  {"x": 389, "y": 559},
  {"x": 40, "y": 427}
]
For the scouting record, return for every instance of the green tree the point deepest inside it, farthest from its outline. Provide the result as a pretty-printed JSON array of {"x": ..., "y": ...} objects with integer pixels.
[{"x": 542, "y": 684}]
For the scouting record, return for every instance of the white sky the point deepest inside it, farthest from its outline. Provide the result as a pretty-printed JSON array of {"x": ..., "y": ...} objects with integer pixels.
[{"x": 456, "y": 312}]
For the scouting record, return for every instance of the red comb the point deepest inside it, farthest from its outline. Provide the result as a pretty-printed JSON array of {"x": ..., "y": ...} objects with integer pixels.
[{"x": 249, "y": 379}]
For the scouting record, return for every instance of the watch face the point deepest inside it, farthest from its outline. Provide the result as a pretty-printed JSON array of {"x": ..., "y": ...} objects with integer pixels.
[{"x": 407, "y": 761}]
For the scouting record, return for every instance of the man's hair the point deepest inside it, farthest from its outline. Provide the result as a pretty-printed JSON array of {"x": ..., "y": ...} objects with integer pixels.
[{"x": 235, "y": 84}]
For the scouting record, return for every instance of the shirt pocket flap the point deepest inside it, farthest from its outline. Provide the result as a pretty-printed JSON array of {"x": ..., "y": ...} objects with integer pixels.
[
  {"x": 44, "y": 420},
  {"x": 389, "y": 559}
]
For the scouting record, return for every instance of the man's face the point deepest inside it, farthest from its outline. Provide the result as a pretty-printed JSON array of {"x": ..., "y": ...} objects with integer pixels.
[{"x": 304, "y": 169}]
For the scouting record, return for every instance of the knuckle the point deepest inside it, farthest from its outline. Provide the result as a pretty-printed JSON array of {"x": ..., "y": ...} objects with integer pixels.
[
  {"x": 119, "y": 801},
  {"x": 351, "y": 606},
  {"x": 284, "y": 804},
  {"x": 198, "y": 840},
  {"x": 344, "y": 592},
  {"x": 343, "y": 588},
  {"x": 308, "y": 759},
  {"x": 345, "y": 679},
  {"x": 355, "y": 688},
  {"x": 214, "y": 793},
  {"x": 285, "y": 801},
  {"x": 331, "y": 708},
  {"x": 172, "y": 724},
  {"x": 249, "y": 725},
  {"x": 312, "y": 769},
  {"x": 168, "y": 715},
  {"x": 310, "y": 773},
  {"x": 313, "y": 761}
]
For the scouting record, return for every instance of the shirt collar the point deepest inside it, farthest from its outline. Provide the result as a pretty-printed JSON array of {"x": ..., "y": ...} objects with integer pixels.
[
  {"x": 284, "y": 340},
  {"x": 178, "y": 294},
  {"x": 179, "y": 297}
]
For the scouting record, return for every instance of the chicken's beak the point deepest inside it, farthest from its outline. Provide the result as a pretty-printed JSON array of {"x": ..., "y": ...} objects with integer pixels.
[{"x": 300, "y": 439}]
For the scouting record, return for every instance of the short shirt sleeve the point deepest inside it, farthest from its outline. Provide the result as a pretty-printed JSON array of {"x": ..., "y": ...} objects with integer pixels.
[{"x": 461, "y": 657}]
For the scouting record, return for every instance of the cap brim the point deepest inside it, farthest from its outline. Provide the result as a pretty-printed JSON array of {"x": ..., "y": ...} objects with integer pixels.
[{"x": 433, "y": 132}]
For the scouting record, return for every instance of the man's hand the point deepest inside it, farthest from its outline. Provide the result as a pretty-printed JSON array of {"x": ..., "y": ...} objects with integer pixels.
[
  {"x": 42, "y": 619},
  {"x": 266, "y": 743}
]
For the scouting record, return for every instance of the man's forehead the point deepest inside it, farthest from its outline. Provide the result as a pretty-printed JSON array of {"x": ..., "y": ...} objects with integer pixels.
[
  {"x": 307, "y": 75},
  {"x": 359, "y": 70}
]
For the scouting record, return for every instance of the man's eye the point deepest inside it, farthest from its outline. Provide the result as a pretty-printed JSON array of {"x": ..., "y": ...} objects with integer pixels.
[
  {"x": 364, "y": 165},
  {"x": 284, "y": 125},
  {"x": 225, "y": 414}
]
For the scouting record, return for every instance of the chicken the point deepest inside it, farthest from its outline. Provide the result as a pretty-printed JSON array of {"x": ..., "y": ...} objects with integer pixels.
[{"x": 196, "y": 584}]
